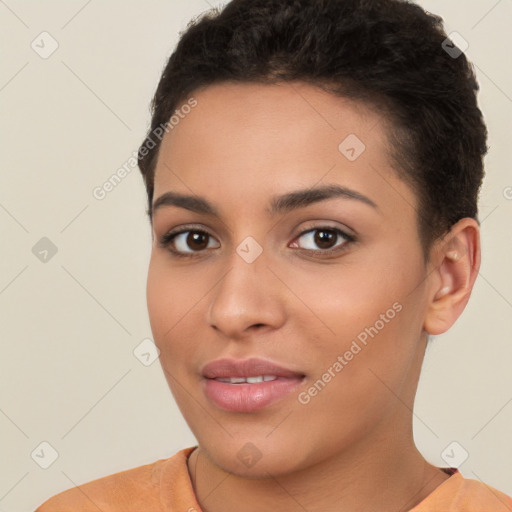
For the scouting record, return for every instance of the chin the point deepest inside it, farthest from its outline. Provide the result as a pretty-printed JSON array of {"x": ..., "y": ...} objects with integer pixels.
[{"x": 256, "y": 457}]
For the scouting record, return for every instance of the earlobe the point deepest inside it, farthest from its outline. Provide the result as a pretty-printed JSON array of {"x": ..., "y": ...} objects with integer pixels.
[{"x": 457, "y": 261}]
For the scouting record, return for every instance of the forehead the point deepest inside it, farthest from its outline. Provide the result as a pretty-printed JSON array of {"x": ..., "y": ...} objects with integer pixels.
[
  {"x": 288, "y": 112},
  {"x": 253, "y": 137}
]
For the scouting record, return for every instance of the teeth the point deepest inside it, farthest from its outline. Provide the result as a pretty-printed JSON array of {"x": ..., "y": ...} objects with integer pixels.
[
  {"x": 232, "y": 380},
  {"x": 254, "y": 380},
  {"x": 249, "y": 380}
]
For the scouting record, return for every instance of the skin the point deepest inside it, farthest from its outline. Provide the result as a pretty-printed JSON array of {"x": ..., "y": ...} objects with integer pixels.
[{"x": 351, "y": 447}]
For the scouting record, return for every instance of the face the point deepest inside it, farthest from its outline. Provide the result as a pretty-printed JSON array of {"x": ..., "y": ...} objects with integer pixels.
[{"x": 301, "y": 263}]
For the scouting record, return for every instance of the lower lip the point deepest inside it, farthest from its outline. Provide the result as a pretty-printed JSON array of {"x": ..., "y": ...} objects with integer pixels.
[{"x": 247, "y": 397}]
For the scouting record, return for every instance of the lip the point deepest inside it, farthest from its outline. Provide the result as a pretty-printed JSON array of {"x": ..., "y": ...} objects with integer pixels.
[
  {"x": 224, "y": 368},
  {"x": 247, "y": 397}
]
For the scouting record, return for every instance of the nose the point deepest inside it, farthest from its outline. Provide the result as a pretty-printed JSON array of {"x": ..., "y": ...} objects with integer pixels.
[{"x": 248, "y": 297}]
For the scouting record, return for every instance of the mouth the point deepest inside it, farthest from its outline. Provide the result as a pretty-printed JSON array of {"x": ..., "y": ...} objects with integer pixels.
[
  {"x": 248, "y": 380},
  {"x": 248, "y": 385}
]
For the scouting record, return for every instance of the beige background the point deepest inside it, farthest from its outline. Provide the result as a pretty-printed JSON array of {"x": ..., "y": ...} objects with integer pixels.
[{"x": 69, "y": 325}]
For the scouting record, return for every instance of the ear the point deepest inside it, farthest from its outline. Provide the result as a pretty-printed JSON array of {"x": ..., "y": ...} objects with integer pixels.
[{"x": 455, "y": 262}]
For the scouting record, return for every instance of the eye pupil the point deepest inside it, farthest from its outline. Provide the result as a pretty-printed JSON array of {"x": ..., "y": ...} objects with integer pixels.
[
  {"x": 324, "y": 238},
  {"x": 194, "y": 240}
]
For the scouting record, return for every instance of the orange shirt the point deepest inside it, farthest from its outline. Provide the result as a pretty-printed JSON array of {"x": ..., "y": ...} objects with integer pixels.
[{"x": 165, "y": 486}]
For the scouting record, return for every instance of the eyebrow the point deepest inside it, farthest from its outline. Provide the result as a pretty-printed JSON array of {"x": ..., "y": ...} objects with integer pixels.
[{"x": 278, "y": 205}]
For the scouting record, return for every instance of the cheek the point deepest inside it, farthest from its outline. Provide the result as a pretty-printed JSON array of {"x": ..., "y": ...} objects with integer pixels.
[
  {"x": 166, "y": 299},
  {"x": 173, "y": 305},
  {"x": 159, "y": 300},
  {"x": 351, "y": 303},
  {"x": 375, "y": 323},
  {"x": 170, "y": 294}
]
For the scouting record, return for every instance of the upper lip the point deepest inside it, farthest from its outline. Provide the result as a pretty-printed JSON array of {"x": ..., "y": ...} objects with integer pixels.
[{"x": 253, "y": 367}]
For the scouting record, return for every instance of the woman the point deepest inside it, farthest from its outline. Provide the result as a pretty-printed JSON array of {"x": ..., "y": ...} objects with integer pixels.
[{"x": 312, "y": 171}]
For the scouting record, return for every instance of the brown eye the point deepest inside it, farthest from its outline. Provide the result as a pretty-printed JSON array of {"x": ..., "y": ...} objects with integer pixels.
[
  {"x": 196, "y": 240},
  {"x": 187, "y": 242},
  {"x": 325, "y": 239}
]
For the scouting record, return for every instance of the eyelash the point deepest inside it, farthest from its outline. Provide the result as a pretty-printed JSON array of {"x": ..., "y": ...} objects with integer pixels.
[{"x": 167, "y": 239}]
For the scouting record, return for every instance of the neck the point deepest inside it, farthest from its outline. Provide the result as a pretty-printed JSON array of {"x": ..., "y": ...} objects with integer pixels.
[{"x": 387, "y": 473}]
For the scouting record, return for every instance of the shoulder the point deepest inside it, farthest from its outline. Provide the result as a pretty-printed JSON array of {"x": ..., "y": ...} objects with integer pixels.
[
  {"x": 130, "y": 490},
  {"x": 475, "y": 495},
  {"x": 459, "y": 494}
]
